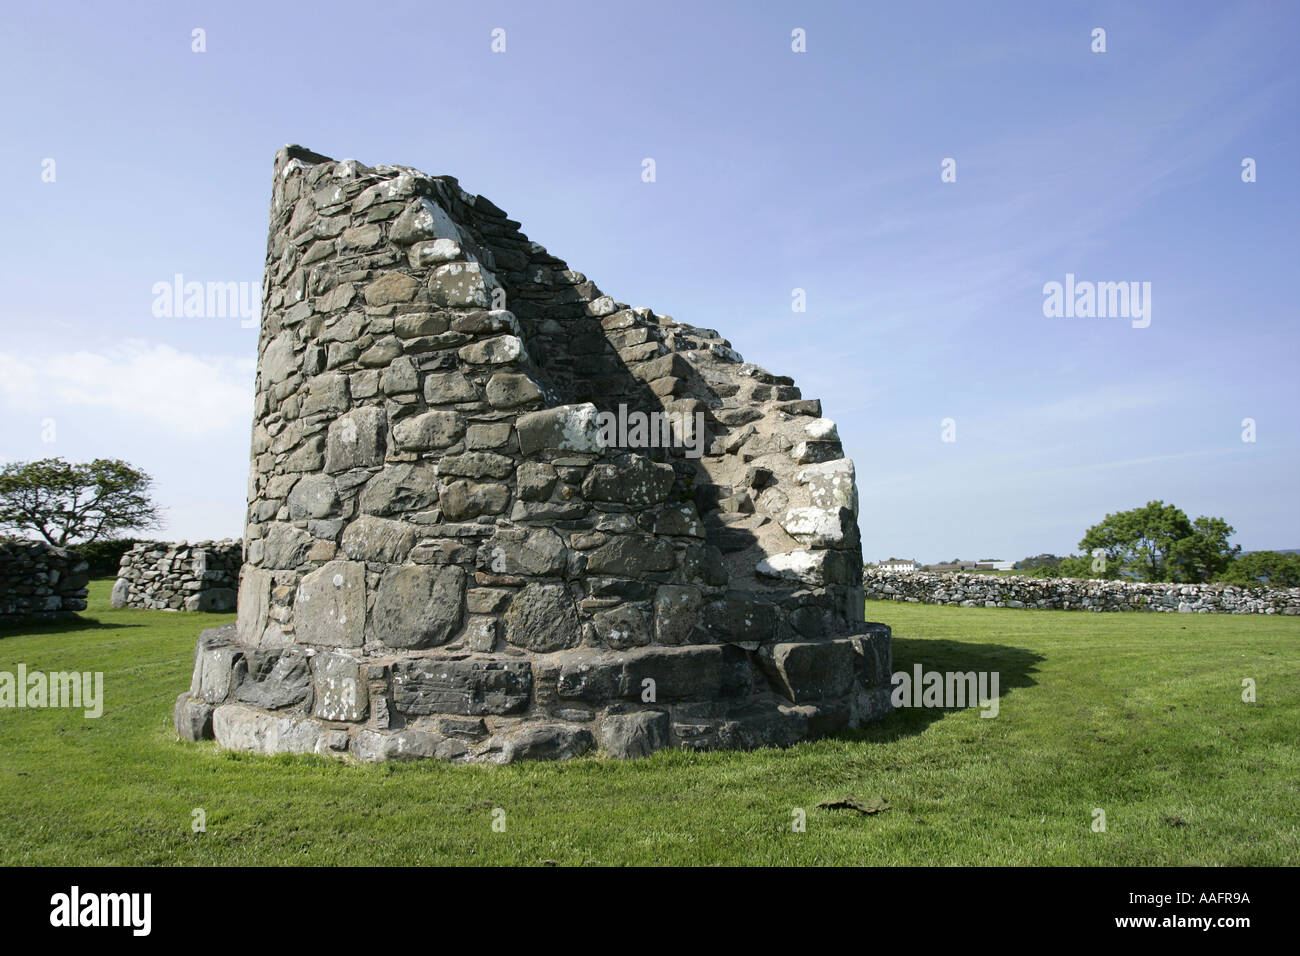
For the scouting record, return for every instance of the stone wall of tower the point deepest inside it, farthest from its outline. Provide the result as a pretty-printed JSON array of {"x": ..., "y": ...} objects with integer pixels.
[{"x": 452, "y": 549}]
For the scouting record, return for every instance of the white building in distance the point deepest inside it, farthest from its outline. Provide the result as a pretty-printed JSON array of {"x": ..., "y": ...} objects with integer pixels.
[{"x": 897, "y": 564}]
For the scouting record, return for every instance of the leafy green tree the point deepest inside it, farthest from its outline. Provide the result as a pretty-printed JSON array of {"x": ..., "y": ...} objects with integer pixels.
[
  {"x": 65, "y": 502},
  {"x": 1158, "y": 542},
  {"x": 1272, "y": 568},
  {"x": 1080, "y": 566},
  {"x": 1138, "y": 541},
  {"x": 1038, "y": 561},
  {"x": 1205, "y": 553}
]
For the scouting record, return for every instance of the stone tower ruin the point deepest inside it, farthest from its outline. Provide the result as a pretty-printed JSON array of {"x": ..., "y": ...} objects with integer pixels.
[{"x": 495, "y": 514}]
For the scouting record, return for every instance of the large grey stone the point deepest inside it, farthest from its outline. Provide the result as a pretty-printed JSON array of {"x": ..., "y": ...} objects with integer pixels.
[
  {"x": 471, "y": 687},
  {"x": 278, "y": 361},
  {"x": 340, "y": 693},
  {"x": 535, "y": 480},
  {"x": 380, "y": 540},
  {"x": 356, "y": 440},
  {"x": 818, "y": 670},
  {"x": 676, "y": 613},
  {"x": 276, "y": 679},
  {"x": 418, "y": 606},
  {"x": 384, "y": 353},
  {"x": 400, "y": 488},
  {"x": 309, "y": 456},
  {"x": 414, "y": 324},
  {"x": 637, "y": 734},
  {"x": 314, "y": 496},
  {"x": 542, "y": 618},
  {"x": 816, "y": 527},
  {"x": 326, "y": 393},
  {"x": 240, "y": 727},
  {"x": 463, "y": 500},
  {"x": 390, "y": 288},
  {"x": 546, "y": 741},
  {"x": 330, "y": 606},
  {"x": 831, "y": 484},
  {"x": 486, "y": 322},
  {"x": 874, "y": 660},
  {"x": 446, "y": 388},
  {"x": 487, "y": 435},
  {"x": 431, "y": 430},
  {"x": 817, "y": 568},
  {"x": 511, "y": 389},
  {"x": 477, "y": 464},
  {"x": 564, "y": 428},
  {"x": 630, "y": 555},
  {"x": 623, "y": 627},
  {"x": 538, "y": 552},
  {"x": 705, "y": 672},
  {"x": 400, "y": 378},
  {"x": 422, "y": 219},
  {"x": 430, "y": 252},
  {"x": 216, "y": 667},
  {"x": 741, "y": 616},
  {"x": 192, "y": 718},
  {"x": 461, "y": 285},
  {"x": 254, "y": 604},
  {"x": 498, "y": 350},
  {"x": 371, "y": 746},
  {"x": 284, "y": 546},
  {"x": 630, "y": 480}
]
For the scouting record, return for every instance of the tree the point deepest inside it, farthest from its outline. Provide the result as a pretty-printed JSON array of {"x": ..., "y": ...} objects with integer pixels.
[
  {"x": 1080, "y": 566},
  {"x": 1157, "y": 542},
  {"x": 1272, "y": 568},
  {"x": 1204, "y": 554},
  {"x": 1139, "y": 540},
  {"x": 65, "y": 502},
  {"x": 1038, "y": 561}
]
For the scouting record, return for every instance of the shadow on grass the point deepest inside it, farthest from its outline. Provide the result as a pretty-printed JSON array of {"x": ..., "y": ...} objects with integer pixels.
[
  {"x": 1013, "y": 665},
  {"x": 59, "y": 626}
]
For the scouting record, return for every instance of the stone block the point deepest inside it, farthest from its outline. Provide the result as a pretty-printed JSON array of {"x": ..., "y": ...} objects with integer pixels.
[
  {"x": 330, "y": 605},
  {"x": 240, "y": 727},
  {"x": 638, "y": 734},
  {"x": 810, "y": 671},
  {"x": 469, "y": 687},
  {"x": 356, "y": 440},
  {"x": 192, "y": 718},
  {"x": 339, "y": 691},
  {"x": 542, "y": 618},
  {"x": 418, "y": 606},
  {"x": 571, "y": 428}
]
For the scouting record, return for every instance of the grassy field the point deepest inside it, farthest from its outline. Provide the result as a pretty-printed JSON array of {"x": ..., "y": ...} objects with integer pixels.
[{"x": 1137, "y": 714}]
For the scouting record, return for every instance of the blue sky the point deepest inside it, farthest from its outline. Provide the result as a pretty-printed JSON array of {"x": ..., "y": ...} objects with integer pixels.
[{"x": 775, "y": 170}]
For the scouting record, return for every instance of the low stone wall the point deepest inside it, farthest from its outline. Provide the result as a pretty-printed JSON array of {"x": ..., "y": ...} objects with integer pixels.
[
  {"x": 203, "y": 576},
  {"x": 38, "y": 580},
  {"x": 1075, "y": 594}
]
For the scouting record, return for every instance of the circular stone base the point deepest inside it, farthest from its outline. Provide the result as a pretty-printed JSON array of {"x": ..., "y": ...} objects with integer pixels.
[{"x": 495, "y": 708}]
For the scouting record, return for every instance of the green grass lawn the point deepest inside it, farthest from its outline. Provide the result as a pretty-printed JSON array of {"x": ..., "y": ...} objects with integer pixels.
[{"x": 1138, "y": 714}]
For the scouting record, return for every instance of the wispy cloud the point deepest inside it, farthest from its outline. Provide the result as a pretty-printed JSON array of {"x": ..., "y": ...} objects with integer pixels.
[{"x": 137, "y": 381}]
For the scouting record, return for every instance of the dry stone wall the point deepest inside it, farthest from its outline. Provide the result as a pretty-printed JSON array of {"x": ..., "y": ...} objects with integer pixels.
[
  {"x": 1076, "y": 594},
  {"x": 202, "y": 576},
  {"x": 38, "y": 580},
  {"x": 463, "y": 542}
]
